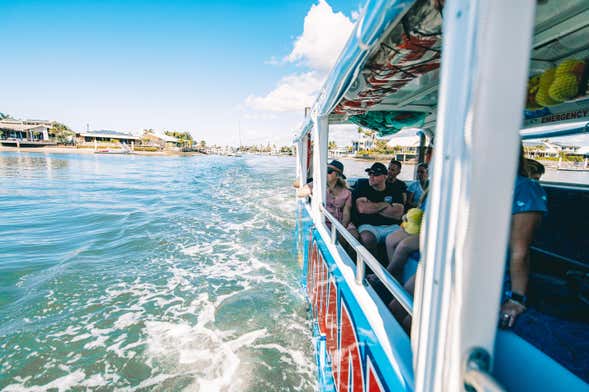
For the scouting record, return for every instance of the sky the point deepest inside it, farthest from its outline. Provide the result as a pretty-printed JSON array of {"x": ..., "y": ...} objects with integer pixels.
[
  {"x": 221, "y": 70},
  {"x": 228, "y": 72}
]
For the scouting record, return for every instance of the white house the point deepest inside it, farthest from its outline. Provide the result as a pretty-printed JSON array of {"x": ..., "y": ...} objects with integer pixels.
[
  {"x": 25, "y": 130},
  {"x": 406, "y": 147}
]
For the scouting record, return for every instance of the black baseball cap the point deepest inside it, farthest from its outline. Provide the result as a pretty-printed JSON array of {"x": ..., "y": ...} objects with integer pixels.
[{"x": 377, "y": 169}]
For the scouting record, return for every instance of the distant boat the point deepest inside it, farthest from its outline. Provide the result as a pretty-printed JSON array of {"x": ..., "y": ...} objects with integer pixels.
[
  {"x": 119, "y": 152},
  {"x": 573, "y": 166}
]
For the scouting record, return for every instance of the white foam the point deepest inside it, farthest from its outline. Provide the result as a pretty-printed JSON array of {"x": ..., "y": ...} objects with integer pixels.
[
  {"x": 127, "y": 320},
  {"x": 196, "y": 250},
  {"x": 99, "y": 341},
  {"x": 61, "y": 384}
]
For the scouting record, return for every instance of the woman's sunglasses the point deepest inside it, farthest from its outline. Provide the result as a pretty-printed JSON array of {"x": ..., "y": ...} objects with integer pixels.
[{"x": 330, "y": 170}]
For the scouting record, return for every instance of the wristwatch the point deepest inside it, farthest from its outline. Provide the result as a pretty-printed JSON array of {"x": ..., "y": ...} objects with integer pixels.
[{"x": 517, "y": 297}]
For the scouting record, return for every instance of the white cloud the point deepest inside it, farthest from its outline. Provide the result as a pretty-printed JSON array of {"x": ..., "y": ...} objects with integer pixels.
[
  {"x": 324, "y": 35},
  {"x": 292, "y": 93},
  {"x": 259, "y": 116}
]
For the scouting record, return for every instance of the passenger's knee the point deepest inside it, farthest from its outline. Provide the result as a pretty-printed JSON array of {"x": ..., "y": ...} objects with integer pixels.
[
  {"x": 405, "y": 248},
  {"x": 390, "y": 241},
  {"x": 368, "y": 238}
]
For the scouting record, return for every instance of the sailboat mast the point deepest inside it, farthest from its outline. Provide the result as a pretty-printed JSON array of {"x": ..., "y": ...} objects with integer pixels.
[{"x": 239, "y": 134}]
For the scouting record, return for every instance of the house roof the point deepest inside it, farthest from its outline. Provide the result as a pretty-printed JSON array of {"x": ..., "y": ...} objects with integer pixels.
[
  {"x": 404, "y": 141},
  {"x": 19, "y": 126},
  {"x": 109, "y": 134},
  {"x": 167, "y": 138}
]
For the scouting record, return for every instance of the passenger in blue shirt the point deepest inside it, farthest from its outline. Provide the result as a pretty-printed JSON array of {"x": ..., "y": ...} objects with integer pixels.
[{"x": 528, "y": 207}]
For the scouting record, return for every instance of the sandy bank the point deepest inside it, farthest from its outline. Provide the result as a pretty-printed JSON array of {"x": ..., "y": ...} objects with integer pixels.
[{"x": 70, "y": 150}]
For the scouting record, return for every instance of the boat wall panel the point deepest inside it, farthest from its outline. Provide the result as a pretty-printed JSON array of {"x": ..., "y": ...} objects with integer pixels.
[{"x": 352, "y": 353}]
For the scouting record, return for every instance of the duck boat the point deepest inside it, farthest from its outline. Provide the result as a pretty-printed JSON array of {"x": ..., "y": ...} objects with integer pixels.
[{"x": 476, "y": 76}]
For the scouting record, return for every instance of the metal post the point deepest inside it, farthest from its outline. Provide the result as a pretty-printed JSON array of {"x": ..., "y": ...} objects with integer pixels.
[
  {"x": 333, "y": 233},
  {"x": 359, "y": 268},
  {"x": 479, "y": 110},
  {"x": 320, "y": 137}
]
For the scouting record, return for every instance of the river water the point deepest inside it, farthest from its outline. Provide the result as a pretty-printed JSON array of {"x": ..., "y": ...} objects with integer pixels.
[
  {"x": 153, "y": 273},
  {"x": 150, "y": 273}
]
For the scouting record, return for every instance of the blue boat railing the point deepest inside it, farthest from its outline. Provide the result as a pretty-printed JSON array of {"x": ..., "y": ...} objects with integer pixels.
[{"x": 363, "y": 258}]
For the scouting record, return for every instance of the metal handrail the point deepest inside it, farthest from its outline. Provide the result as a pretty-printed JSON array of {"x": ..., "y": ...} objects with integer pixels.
[
  {"x": 363, "y": 256},
  {"x": 481, "y": 381},
  {"x": 476, "y": 372}
]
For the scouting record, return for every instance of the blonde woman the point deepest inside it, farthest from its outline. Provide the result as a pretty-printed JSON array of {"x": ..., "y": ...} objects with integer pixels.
[{"x": 338, "y": 198}]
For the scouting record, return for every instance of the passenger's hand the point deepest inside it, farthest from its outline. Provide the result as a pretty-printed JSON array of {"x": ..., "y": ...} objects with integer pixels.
[{"x": 509, "y": 312}]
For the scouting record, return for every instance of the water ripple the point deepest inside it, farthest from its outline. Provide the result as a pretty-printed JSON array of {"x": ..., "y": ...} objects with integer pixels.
[{"x": 150, "y": 273}]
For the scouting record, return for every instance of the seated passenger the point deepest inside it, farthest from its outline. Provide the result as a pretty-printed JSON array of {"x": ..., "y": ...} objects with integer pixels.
[
  {"x": 338, "y": 198},
  {"x": 399, "y": 246},
  {"x": 402, "y": 243},
  {"x": 528, "y": 208},
  {"x": 378, "y": 207},
  {"x": 398, "y": 187},
  {"x": 417, "y": 188}
]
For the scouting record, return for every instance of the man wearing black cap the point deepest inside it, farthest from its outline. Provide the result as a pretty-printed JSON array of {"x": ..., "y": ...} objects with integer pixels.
[{"x": 378, "y": 212}]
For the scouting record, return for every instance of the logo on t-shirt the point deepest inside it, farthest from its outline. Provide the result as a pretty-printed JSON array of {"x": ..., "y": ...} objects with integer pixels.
[{"x": 388, "y": 199}]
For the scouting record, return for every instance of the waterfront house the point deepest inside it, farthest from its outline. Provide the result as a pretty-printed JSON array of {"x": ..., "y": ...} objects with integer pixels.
[
  {"x": 24, "y": 132},
  {"x": 405, "y": 147},
  {"x": 105, "y": 138},
  {"x": 364, "y": 142},
  {"x": 160, "y": 140},
  {"x": 548, "y": 150}
]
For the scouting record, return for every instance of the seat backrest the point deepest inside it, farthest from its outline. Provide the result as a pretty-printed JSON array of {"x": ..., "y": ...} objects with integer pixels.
[{"x": 564, "y": 230}]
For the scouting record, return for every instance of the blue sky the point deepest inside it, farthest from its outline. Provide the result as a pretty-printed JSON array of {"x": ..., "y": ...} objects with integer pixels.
[
  {"x": 200, "y": 66},
  {"x": 207, "y": 67}
]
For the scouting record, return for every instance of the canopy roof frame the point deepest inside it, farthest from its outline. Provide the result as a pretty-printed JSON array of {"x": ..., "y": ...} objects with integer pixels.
[{"x": 381, "y": 17}]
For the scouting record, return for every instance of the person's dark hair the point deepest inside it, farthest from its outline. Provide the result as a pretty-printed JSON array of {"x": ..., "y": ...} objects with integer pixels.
[
  {"x": 422, "y": 164},
  {"x": 535, "y": 167},
  {"x": 396, "y": 163}
]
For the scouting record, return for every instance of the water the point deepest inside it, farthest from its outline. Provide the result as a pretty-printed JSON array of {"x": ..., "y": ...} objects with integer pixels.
[{"x": 150, "y": 273}]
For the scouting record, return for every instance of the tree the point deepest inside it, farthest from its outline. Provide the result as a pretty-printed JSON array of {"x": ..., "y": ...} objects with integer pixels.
[
  {"x": 331, "y": 145},
  {"x": 203, "y": 144},
  {"x": 4, "y": 116}
]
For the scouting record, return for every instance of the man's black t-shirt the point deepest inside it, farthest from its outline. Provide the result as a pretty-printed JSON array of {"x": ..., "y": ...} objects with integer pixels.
[
  {"x": 398, "y": 188},
  {"x": 363, "y": 189}
]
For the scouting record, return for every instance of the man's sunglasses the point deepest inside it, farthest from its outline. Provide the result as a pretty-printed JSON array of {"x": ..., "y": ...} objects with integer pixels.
[
  {"x": 330, "y": 170},
  {"x": 375, "y": 174}
]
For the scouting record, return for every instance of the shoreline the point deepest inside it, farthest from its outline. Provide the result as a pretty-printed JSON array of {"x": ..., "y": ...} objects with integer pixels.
[{"x": 87, "y": 151}]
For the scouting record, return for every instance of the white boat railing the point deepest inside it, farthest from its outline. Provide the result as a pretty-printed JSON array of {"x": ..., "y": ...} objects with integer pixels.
[
  {"x": 363, "y": 258},
  {"x": 476, "y": 376}
]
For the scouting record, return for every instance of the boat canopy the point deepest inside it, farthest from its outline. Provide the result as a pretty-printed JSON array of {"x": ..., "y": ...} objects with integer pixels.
[{"x": 387, "y": 76}]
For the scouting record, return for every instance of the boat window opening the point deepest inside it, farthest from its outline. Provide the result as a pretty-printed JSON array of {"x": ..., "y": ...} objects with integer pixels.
[
  {"x": 351, "y": 153},
  {"x": 565, "y": 160}
]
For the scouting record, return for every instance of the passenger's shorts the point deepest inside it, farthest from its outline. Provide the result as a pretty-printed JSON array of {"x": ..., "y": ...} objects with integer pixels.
[{"x": 380, "y": 232}]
